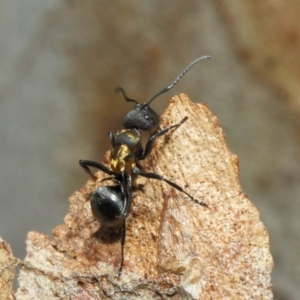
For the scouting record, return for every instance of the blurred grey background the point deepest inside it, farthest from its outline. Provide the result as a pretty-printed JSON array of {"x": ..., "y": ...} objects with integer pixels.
[{"x": 60, "y": 62}]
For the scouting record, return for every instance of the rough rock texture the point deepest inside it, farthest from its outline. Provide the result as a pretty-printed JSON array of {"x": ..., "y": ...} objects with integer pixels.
[
  {"x": 174, "y": 247},
  {"x": 7, "y": 270}
]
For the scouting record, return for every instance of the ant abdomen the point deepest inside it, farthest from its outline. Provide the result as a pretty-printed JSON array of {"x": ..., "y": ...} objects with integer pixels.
[{"x": 107, "y": 203}]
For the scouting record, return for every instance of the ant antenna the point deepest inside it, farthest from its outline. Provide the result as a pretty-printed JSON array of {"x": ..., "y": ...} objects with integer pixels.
[
  {"x": 119, "y": 89},
  {"x": 176, "y": 80}
]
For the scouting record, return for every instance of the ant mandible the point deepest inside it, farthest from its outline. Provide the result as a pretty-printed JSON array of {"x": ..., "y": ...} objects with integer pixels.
[{"x": 111, "y": 204}]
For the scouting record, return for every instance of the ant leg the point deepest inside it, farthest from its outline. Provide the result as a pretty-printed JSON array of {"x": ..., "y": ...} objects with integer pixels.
[
  {"x": 112, "y": 139},
  {"x": 149, "y": 144},
  {"x": 109, "y": 178},
  {"x": 126, "y": 188},
  {"x": 173, "y": 184},
  {"x": 122, "y": 246},
  {"x": 85, "y": 164}
]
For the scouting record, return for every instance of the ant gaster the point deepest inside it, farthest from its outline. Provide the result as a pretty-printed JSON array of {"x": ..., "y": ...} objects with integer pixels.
[{"x": 111, "y": 204}]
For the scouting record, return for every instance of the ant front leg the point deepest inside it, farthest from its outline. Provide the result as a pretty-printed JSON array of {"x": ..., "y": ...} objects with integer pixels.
[
  {"x": 85, "y": 164},
  {"x": 154, "y": 136},
  {"x": 112, "y": 139}
]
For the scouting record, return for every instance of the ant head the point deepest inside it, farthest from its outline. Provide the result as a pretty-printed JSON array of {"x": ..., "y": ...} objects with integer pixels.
[{"x": 142, "y": 117}]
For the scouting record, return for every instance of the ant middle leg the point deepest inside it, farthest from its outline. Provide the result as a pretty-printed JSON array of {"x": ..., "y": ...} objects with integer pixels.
[
  {"x": 85, "y": 164},
  {"x": 154, "y": 136},
  {"x": 171, "y": 183}
]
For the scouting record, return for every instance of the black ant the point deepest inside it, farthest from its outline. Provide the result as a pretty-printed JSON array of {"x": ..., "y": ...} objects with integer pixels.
[{"x": 111, "y": 204}]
